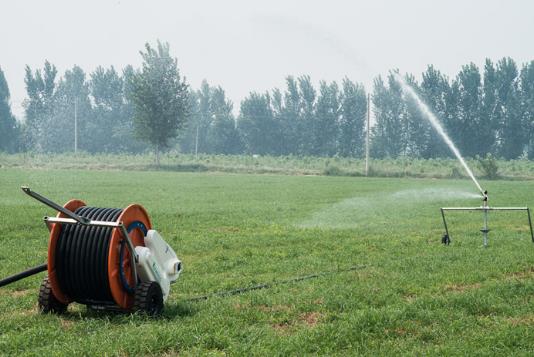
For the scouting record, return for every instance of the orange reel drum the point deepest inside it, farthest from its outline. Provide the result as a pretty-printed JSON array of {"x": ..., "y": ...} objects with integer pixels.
[
  {"x": 132, "y": 213},
  {"x": 72, "y": 205}
]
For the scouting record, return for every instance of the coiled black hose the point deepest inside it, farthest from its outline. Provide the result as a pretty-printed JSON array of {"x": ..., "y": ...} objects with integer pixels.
[{"x": 82, "y": 257}]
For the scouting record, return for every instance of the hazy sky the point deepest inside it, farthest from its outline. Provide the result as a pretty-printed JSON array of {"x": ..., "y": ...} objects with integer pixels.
[{"x": 252, "y": 45}]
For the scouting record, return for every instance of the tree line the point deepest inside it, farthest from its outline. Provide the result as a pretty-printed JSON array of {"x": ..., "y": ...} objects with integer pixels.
[
  {"x": 484, "y": 112},
  {"x": 296, "y": 121},
  {"x": 153, "y": 108}
]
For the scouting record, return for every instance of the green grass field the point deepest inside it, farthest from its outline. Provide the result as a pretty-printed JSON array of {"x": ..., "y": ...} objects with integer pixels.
[{"x": 385, "y": 285}]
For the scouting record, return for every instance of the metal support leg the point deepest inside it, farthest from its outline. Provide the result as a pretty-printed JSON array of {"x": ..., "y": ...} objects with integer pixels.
[
  {"x": 530, "y": 225},
  {"x": 485, "y": 229},
  {"x": 445, "y": 222}
]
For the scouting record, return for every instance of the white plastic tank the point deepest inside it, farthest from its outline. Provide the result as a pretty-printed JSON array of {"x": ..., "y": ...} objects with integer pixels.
[{"x": 158, "y": 262}]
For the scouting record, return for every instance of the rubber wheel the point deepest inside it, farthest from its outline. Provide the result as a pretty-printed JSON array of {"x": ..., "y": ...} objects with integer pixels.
[
  {"x": 148, "y": 298},
  {"x": 48, "y": 303}
]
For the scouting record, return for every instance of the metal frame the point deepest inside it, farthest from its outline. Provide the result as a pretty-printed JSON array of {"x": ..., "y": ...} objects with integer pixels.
[
  {"x": 77, "y": 219},
  {"x": 485, "y": 208}
]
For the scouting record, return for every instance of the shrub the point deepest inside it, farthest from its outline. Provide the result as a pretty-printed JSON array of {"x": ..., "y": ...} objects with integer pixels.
[
  {"x": 489, "y": 166},
  {"x": 455, "y": 173},
  {"x": 331, "y": 170}
]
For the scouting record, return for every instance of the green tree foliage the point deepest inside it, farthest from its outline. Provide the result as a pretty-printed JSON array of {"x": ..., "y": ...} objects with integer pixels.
[
  {"x": 223, "y": 135},
  {"x": 352, "y": 120},
  {"x": 40, "y": 107},
  {"x": 123, "y": 132},
  {"x": 488, "y": 113},
  {"x": 527, "y": 104},
  {"x": 188, "y": 136},
  {"x": 203, "y": 118},
  {"x": 470, "y": 103},
  {"x": 308, "y": 96},
  {"x": 435, "y": 91},
  {"x": 389, "y": 132},
  {"x": 257, "y": 125},
  {"x": 298, "y": 122},
  {"x": 160, "y": 98},
  {"x": 489, "y": 166},
  {"x": 325, "y": 126},
  {"x": 417, "y": 138},
  {"x": 109, "y": 127},
  {"x": 483, "y": 113},
  {"x": 9, "y": 130},
  {"x": 277, "y": 104},
  {"x": 452, "y": 110},
  {"x": 211, "y": 126},
  {"x": 106, "y": 88},
  {"x": 71, "y": 99},
  {"x": 290, "y": 118},
  {"x": 511, "y": 133}
]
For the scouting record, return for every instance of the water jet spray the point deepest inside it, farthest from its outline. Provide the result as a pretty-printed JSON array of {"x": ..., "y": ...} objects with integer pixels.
[{"x": 434, "y": 121}]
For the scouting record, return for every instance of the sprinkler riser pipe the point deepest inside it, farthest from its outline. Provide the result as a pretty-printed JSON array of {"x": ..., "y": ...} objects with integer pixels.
[{"x": 485, "y": 229}]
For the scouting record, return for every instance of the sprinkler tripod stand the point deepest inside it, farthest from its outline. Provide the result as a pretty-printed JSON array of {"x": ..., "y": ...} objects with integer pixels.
[{"x": 485, "y": 208}]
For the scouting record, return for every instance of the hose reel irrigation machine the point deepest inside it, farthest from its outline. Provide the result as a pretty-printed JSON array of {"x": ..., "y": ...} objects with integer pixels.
[{"x": 105, "y": 258}]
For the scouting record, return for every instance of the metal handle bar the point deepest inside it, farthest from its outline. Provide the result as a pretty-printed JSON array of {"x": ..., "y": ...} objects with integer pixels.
[{"x": 54, "y": 205}]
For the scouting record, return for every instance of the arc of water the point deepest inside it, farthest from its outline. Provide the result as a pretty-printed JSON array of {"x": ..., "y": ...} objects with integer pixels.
[{"x": 408, "y": 90}]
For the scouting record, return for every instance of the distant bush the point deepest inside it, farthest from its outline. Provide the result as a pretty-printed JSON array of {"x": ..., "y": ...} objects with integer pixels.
[
  {"x": 489, "y": 166},
  {"x": 455, "y": 173},
  {"x": 332, "y": 170}
]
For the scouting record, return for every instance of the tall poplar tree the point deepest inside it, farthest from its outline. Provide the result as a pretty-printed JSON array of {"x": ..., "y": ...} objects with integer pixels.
[
  {"x": 511, "y": 134},
  {"x": 489, "y": 120},
  {"x": 326, "y": 121},
  {"x": 527, "y": 104},
  {"x": 434, "y": 91},
  {"x": 308, "y": 96},
  {"x": 223, "y": 137},
  {"x": 39, "y": 107},
  {"x": 352, "y": 119},
  {"x": 160, "y": 98},
  {"x": 469, "y": 101},
  {"x": 8, "y": 125},
  {"x": 257, "y": 125}
]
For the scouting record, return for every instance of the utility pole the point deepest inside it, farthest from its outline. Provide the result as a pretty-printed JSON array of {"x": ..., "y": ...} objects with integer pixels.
[
  {"x": 367, "y": 134},
  {"x": 75, "y": 125}
]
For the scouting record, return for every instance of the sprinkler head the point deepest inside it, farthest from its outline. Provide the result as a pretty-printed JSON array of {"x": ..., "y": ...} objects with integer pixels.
[{"x": 485, "y": 195}]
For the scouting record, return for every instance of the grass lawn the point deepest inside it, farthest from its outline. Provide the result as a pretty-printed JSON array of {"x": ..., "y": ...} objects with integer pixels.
[{"x": 385, "y": 283}]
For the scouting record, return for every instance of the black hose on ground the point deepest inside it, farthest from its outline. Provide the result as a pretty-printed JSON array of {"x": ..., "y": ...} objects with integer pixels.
[
  {"x": 23, "y": 274},
  {"x": 245, "y": 289}
]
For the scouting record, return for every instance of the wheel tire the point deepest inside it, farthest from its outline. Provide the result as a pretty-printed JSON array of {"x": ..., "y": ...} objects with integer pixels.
[
  {"x": 148, "y": 298},
  {"x": 47, "y": 301}
]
